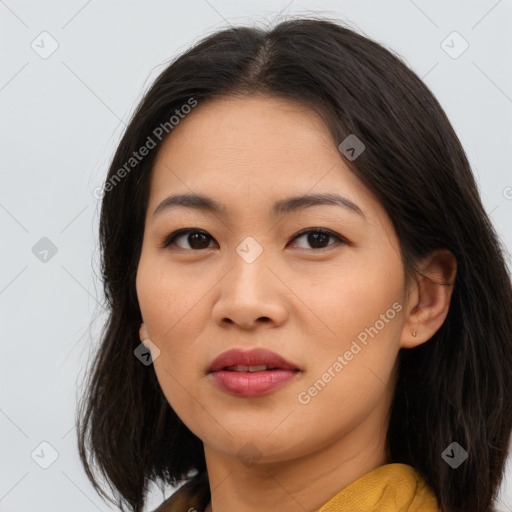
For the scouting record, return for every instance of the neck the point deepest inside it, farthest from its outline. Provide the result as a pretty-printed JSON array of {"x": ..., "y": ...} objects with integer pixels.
[{"x": 302, "y": 483}]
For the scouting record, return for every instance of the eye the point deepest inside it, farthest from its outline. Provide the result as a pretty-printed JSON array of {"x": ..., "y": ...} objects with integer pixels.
[
  {"x": 197, "y": 239},
  {"x": 318, "y": 237}
]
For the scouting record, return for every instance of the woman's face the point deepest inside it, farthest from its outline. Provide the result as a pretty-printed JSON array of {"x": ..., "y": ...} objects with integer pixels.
[{"x": 331, "y": 304}]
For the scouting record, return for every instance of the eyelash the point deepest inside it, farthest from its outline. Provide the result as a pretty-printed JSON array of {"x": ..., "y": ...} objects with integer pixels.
[{"x": 168, "y": 240}]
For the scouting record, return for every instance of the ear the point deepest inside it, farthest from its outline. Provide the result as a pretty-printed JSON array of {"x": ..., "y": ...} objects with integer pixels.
[
  {"x": 429, "y": 298},
  {"x": 143, "y": 332}
]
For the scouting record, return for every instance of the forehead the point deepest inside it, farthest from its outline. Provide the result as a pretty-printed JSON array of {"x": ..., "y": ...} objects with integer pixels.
[
  {"x": 242, "y": 127},
  {"x": 241, "y": 148}
]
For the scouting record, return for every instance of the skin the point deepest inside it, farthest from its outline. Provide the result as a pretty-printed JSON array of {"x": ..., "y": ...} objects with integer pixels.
[{"x": 307, "y": 304}]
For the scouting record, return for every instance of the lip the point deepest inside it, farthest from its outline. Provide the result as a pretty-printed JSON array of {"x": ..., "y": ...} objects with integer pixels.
[
  {"x": 251, "y": 357},
  {"x": 251, "y": 383}
]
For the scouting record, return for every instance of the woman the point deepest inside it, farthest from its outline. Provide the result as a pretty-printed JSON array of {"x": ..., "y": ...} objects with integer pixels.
[{"x": 292, "y": 236}]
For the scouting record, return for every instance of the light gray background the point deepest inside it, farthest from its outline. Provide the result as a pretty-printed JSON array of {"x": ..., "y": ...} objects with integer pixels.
[{"x": 61, "y": 119}]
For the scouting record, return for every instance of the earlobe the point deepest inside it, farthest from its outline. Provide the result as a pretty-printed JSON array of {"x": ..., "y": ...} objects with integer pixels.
[{"x": 432, "y": 298}]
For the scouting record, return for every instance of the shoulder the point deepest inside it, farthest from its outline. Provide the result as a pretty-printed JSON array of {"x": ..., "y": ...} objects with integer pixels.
[{"x": 192, "y": 495}]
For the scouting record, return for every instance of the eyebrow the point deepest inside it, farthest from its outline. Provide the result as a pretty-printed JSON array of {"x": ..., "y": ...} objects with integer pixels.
[{"x": 281, "y": 207}]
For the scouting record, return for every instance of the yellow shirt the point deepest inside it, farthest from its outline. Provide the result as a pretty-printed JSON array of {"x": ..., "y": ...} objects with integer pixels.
[{"x": 389, "y": 488}]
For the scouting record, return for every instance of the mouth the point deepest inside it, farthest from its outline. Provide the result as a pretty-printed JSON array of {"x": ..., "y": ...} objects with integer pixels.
[
  {"x": 251, "y": 373},
  {"x": 251, "y": 361}
]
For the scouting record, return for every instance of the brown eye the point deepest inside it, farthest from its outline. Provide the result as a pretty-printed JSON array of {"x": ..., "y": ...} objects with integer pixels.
[
  {"x": 318, "y": 238},
  {"x": 195, "y": 239}
]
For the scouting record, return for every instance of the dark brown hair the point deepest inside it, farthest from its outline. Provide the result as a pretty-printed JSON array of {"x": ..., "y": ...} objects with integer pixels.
[{"x": 456, "y": 387}]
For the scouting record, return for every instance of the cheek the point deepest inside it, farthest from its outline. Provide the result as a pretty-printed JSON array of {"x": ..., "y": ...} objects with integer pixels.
[
  {"x": 172, "y": 307},
  {"x": 164, "y": 310},
  {"x": 359, "y": 295},
  {"x": 351, "y": 371},
  {"x": 170, "y": 300},
  {"x": 362, "y": 306}
]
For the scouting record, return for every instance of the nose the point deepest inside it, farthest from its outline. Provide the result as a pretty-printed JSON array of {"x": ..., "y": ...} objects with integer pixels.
[{"x": 250, "y": 295}]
